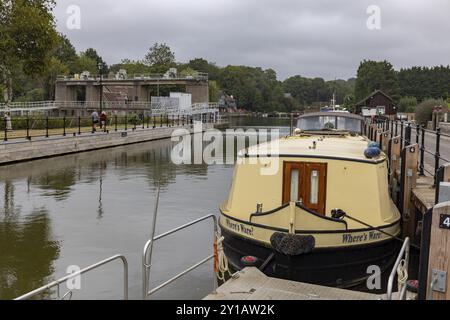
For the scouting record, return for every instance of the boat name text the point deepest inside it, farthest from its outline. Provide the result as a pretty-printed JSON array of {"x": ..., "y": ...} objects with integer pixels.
[
  {"x": 366, "y": 236},
  {"x": 240, "y": 227}
]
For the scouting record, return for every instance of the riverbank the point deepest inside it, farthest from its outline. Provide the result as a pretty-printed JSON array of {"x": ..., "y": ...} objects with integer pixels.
[{"x": 43, "y": 147}]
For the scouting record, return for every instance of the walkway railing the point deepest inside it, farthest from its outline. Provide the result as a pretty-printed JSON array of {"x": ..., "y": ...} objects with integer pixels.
[
  {"x": 147, "y": 258},
  {"x": 33, "y": 127},
  {"x": 429, "y": 142},
  {"x": 78, "y": 273},
  {"x": 137, "y": 76},
  {"x": 404, "y": 252},
  {"x": 129, "y": 106}
]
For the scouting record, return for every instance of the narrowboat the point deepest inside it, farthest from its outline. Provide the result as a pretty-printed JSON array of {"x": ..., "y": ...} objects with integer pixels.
[{"x": 323, "y": 216}]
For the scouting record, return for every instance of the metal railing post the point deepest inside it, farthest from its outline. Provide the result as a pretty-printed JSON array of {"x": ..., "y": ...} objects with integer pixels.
[
  {"x": 401, "y": 135},
  {"x": 5, "y": 137},
  {"x": 64, "y": 126},
  {"x": 46, "y": 127},
  {"x": 28, "y": 128},
  {"x": 417, "y": 133},
  {"x": 115, "y": 122},
  {"x": 408, "y": 134},
  {"x": 437, "y": 155},
  {"x": 422, "y": 153}
]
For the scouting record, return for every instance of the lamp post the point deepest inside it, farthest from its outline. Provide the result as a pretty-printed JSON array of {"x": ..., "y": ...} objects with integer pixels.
[{"x": 99, "y": 65}]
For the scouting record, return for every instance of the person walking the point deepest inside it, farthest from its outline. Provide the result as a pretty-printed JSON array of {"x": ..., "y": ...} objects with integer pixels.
[
  {"x": 94, "y": 117},
  {"x": 103, "y": 119}
]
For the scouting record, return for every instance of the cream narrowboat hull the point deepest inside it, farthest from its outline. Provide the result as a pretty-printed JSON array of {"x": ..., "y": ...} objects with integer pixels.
[{"x": 344, "y": 266}]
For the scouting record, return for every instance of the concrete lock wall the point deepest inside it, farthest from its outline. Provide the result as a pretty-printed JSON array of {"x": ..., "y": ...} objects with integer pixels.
[{"x": 47, "y": 147}]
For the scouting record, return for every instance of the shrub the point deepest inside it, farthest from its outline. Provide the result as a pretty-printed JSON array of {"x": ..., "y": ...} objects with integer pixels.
[
  {"x": 424, "y": 110},
  {"x": 407, "y": 104}
]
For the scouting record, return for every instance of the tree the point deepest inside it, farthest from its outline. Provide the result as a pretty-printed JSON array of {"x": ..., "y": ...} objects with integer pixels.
[
  {"x": 376, "y": 75},
  {"x": 65, "y": 52},
  {"x": 27, "y": 36},
  {"x": 159, "y": 55},
  {"x": 203, "y": 65},
  {"x": 349, "y": 102},
  {"x": 102, "y": 67},
  {"x": 407, "y": 104},
  {"x": 85, "y": 63}
]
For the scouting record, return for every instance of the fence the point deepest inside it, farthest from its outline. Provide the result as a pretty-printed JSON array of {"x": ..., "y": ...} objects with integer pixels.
[
  {"x": 155, "y": 108},
  {"x": 32, "y": 127},
  {"x": 434, "y": 145}
]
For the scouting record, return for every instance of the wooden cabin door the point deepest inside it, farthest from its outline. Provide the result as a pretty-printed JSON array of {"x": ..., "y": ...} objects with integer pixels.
[{"x": 305, "y": 182}]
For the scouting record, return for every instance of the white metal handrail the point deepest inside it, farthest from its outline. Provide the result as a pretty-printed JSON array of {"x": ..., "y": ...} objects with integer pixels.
[
  {"x": 82, "y": 271},
  {"x": 147, "y": 258},
  {"x": 138, "y": 76},
  {"x": 404, "y": 251}
]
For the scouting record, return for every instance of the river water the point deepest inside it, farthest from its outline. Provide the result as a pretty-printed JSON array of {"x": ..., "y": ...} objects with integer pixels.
[{"x": 75, "y": 210}]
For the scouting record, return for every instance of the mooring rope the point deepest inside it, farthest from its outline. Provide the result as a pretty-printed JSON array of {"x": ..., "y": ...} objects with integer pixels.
[
  {"x": 402, "y": 275},
  {"x": 379, "y": 229},
  {"x": 220, "y": 261}
]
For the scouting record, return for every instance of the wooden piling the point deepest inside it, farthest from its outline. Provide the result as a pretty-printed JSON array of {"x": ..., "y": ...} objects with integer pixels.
[
  {"x": 408, "y": 182},
  {"x": 439, "y": 256},
  {"x": 385, "y": 137},
  {"x": 395, "y": 159}
]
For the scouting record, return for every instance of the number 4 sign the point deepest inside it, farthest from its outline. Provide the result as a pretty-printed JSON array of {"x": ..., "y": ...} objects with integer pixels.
[{"x": 444, "y": 221}]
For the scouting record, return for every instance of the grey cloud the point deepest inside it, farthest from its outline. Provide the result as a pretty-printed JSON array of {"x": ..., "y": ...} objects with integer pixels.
[{"x": 322, "y": 38}]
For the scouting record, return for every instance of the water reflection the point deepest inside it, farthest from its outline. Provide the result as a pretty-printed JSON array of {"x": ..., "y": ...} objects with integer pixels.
[
  {"x": 81, "y": 208},
  {"x": 27, "y": 251}
]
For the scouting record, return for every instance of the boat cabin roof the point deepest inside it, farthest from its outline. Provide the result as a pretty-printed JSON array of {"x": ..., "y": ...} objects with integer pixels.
[{"x": 343, "y": 147}]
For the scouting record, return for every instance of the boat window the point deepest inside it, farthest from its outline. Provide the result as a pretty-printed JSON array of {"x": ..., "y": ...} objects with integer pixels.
[
  {"x": 314, "y": 195},
  {"x": 327, "y": 122},
  {"x": 294, "y": 185}
]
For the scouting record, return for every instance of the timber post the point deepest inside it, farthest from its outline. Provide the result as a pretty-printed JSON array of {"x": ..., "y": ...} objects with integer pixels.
[
  {"x": 410, "y": 156},
  {"x": 438, "y": 279}
]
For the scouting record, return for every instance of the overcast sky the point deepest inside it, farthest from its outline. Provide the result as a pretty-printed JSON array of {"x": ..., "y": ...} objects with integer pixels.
[{"x": 324, "y": 38}]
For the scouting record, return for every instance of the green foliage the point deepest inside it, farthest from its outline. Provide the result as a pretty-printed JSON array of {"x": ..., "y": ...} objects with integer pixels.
[
  {"x": 376, "y": 75},
  {"x": 425, "y": 82},
  {"x": 214, "y": 91},
  {"x": 424, "y": 110},
  {"x": 159, "y": 55},
  {"x": 202, "y": 65},
  {"x": 307, "y": 91},
  {"x": 27, "y": 37},
  {"x": 188, "y": 72},
  {"x": 349, "y": 102},
  {"x": 85, "y": 63},
  {"x": 65, "y": 52},
  {"x": 407, "y": 104},
  {"x": 102, "y": 67},
  {"x": 131, "y": 66},
  {"x": 253, "y": 88}
]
